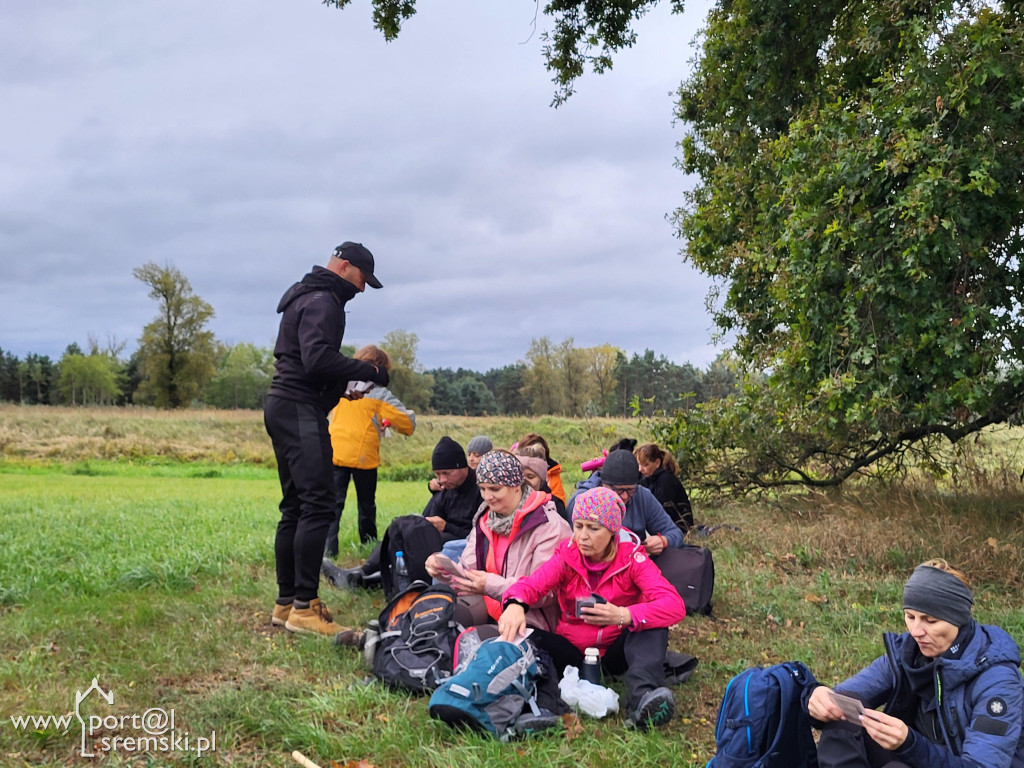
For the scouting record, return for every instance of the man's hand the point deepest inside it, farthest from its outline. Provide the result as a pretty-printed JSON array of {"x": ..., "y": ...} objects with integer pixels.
[
  {"x": 437, "y": 522},
  {"x": 655, "y": 544}
]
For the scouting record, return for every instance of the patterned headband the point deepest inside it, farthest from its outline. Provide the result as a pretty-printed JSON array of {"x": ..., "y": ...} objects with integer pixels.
[{"x": 500, "y": 468}]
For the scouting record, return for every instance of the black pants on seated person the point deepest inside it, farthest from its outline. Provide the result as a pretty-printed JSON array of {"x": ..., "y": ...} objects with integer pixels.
[
  {"x": 844, "y": 745},
  {"x": 639, "y": 657}
]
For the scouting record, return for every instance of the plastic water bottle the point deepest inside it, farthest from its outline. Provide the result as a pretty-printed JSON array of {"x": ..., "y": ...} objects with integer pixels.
[
  {"x": 591, "y": 671},
  {"x": 401, "y": 572}
]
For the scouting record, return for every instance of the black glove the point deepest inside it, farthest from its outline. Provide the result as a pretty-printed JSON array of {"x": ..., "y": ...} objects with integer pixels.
[{"x": 380, "y": 376}]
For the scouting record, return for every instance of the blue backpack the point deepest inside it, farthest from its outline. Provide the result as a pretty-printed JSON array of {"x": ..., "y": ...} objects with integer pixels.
[
  {"x": 490, "y": 689},
  {"x": 761, "y": 723}
]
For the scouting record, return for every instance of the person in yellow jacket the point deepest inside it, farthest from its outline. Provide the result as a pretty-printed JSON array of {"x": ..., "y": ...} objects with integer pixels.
[{"x": 356, "y": 428}]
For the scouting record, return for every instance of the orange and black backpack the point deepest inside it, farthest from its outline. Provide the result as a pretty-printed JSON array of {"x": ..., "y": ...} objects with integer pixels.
[{"x": 417, "y": 638}]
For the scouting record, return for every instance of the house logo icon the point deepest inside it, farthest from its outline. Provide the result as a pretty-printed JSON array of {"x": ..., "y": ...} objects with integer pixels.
[{"x": 80, "y": 697}]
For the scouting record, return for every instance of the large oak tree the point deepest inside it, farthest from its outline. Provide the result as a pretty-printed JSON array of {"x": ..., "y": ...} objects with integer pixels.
[{"x": 860, "y": 201}]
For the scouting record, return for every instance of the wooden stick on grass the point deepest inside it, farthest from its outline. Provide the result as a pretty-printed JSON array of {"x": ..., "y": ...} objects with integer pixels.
[{"x": 302, "y": 760}]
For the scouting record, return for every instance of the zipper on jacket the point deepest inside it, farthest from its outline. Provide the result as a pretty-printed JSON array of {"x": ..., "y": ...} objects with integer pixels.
[{"x": 944, "y": 724}]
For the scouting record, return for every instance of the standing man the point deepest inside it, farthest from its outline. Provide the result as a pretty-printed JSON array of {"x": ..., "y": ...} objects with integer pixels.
[{"x": 310, "y": 376}]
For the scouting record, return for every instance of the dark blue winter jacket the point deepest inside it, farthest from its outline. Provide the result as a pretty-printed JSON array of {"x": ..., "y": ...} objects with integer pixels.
[
  {"x": 644, "y": 514},
  {"x": 980, "y": 696}
]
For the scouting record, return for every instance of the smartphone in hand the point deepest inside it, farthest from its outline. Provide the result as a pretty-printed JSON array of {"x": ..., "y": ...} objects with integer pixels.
[{"x": 587, "y": 602}]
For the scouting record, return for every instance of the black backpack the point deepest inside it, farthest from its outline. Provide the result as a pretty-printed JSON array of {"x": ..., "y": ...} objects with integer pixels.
[
  {"x": 417, "y": 539},
  {"x": 762, "y": 724},
  {"x": 691, "y": 570},
  {"x": 417, "y": 638}
]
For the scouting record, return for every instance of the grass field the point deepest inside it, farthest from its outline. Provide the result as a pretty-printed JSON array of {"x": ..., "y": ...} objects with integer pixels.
[{"x": 155, "y": 576}]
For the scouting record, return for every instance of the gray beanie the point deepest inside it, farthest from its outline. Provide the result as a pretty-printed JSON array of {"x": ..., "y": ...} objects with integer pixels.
[
  {"x": 480, "y": 444},
  {"x": 620, "y": 468},
  {"x": 938, "y": 593}
]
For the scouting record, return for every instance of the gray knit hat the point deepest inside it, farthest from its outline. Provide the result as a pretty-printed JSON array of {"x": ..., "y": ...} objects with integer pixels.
[
  {"x": 620, "y": 468},
  {"x": 480, "y": 444}
]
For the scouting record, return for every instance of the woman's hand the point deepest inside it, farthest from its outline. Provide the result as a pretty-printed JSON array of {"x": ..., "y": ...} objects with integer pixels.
[
  {"x": 435, "y": 570},
  {"x": 512, "y": 622},
  {"x": 471, "y": 583},
  {"x": 888, "y": 732},
  {"x": 820, "y": 705},
  {"x": 606, "y": 614}
]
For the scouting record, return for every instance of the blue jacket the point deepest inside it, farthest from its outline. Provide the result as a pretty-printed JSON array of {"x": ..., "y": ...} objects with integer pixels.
[
  {"x": 644, "y": 514},
  {"x": 981, "y": 702}
]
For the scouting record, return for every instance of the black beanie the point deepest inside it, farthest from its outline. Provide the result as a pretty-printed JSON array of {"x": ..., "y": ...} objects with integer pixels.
[
  {"x": 620, "y": 468},
  {"x": 447, "y": 455}
]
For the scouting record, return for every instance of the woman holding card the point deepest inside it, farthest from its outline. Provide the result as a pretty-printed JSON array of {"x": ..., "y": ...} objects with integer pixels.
[
  {"x": 513, "y": 533},
  {"x": 951, "y": 687}
]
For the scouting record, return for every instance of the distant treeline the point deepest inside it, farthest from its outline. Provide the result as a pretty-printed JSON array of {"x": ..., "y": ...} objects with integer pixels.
[{"x": 552, "y": 379}]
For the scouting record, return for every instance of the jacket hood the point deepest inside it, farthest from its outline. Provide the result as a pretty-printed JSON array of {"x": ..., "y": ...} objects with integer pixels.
[{"x": 318, "y": 279}]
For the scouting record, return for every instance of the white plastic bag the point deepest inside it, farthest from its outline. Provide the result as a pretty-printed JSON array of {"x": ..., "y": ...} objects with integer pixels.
[{"x": 583, "y": 695}]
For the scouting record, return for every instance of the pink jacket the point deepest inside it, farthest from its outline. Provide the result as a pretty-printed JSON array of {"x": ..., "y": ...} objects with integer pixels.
[
  {"x": 631, "y": 580},
  {"x": 536, "y": 533}
]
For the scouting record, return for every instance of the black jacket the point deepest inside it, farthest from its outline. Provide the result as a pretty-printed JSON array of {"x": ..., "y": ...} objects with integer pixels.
[
  {"x": 670, "y": 492},
  {"x": 309, "y": 367},
  {"x": 457, "y": 507}
]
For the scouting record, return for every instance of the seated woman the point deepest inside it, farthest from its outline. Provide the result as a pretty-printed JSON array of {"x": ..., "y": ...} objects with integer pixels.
[
  {"x": 951, "y": 687},
  {"x": 541, "y": 450},
  {"x": 535, "y": 475},
  {"x": 660, "y": 475},
  {"x": 514, "y": 532},
  {"x": 629, "y": 628}
]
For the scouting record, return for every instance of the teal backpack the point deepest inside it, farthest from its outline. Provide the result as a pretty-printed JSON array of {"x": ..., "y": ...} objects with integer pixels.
[{"x": 490, "y": 688}]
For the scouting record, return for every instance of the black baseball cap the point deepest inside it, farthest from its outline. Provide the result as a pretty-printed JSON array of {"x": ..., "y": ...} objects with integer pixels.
[{"x": 358, "y": 255}]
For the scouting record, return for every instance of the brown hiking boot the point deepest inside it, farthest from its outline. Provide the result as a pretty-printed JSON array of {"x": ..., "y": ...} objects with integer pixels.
[
  {"x": 315, "y": 620},
  {"x": 280, "y": 616},
  {"x": 353, "y": 638}
]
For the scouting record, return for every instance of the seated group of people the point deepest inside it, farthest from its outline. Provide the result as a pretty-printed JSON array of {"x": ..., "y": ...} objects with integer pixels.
[
  {"x": 951, "y": 687},
  {"x": 526, "y": 558}
]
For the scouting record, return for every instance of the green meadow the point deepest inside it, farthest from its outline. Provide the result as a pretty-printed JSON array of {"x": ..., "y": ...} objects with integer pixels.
[{"x": 137, "y": 550}]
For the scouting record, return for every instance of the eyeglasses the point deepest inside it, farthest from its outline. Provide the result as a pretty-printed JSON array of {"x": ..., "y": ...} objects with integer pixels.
[{"x": 624, "y": 491}]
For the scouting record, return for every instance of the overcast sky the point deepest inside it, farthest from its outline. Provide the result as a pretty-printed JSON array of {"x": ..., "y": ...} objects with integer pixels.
[{"x": 241, "y": 140}]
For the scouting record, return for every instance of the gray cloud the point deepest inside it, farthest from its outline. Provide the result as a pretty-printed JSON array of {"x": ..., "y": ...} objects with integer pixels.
[{"x": 242, "y": 140}]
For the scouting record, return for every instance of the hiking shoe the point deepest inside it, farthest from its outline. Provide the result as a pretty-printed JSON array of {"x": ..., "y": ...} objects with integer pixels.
[
  {"x": 353, "y": 638},
  {"x": 528, "y": 724},
  {"x": 280, "y": 615},
  {"x": 655, "y": 708},
  {"x": 342, "y": 578},
  {"x": 315, "y": 620}
]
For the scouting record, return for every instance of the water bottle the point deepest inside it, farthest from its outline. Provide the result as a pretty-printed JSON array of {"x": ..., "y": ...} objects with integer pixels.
[
  {"x": 591, "y": 671},
  {"x": 370, "y": 640},
  {"x": 401, "y": 572}
]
